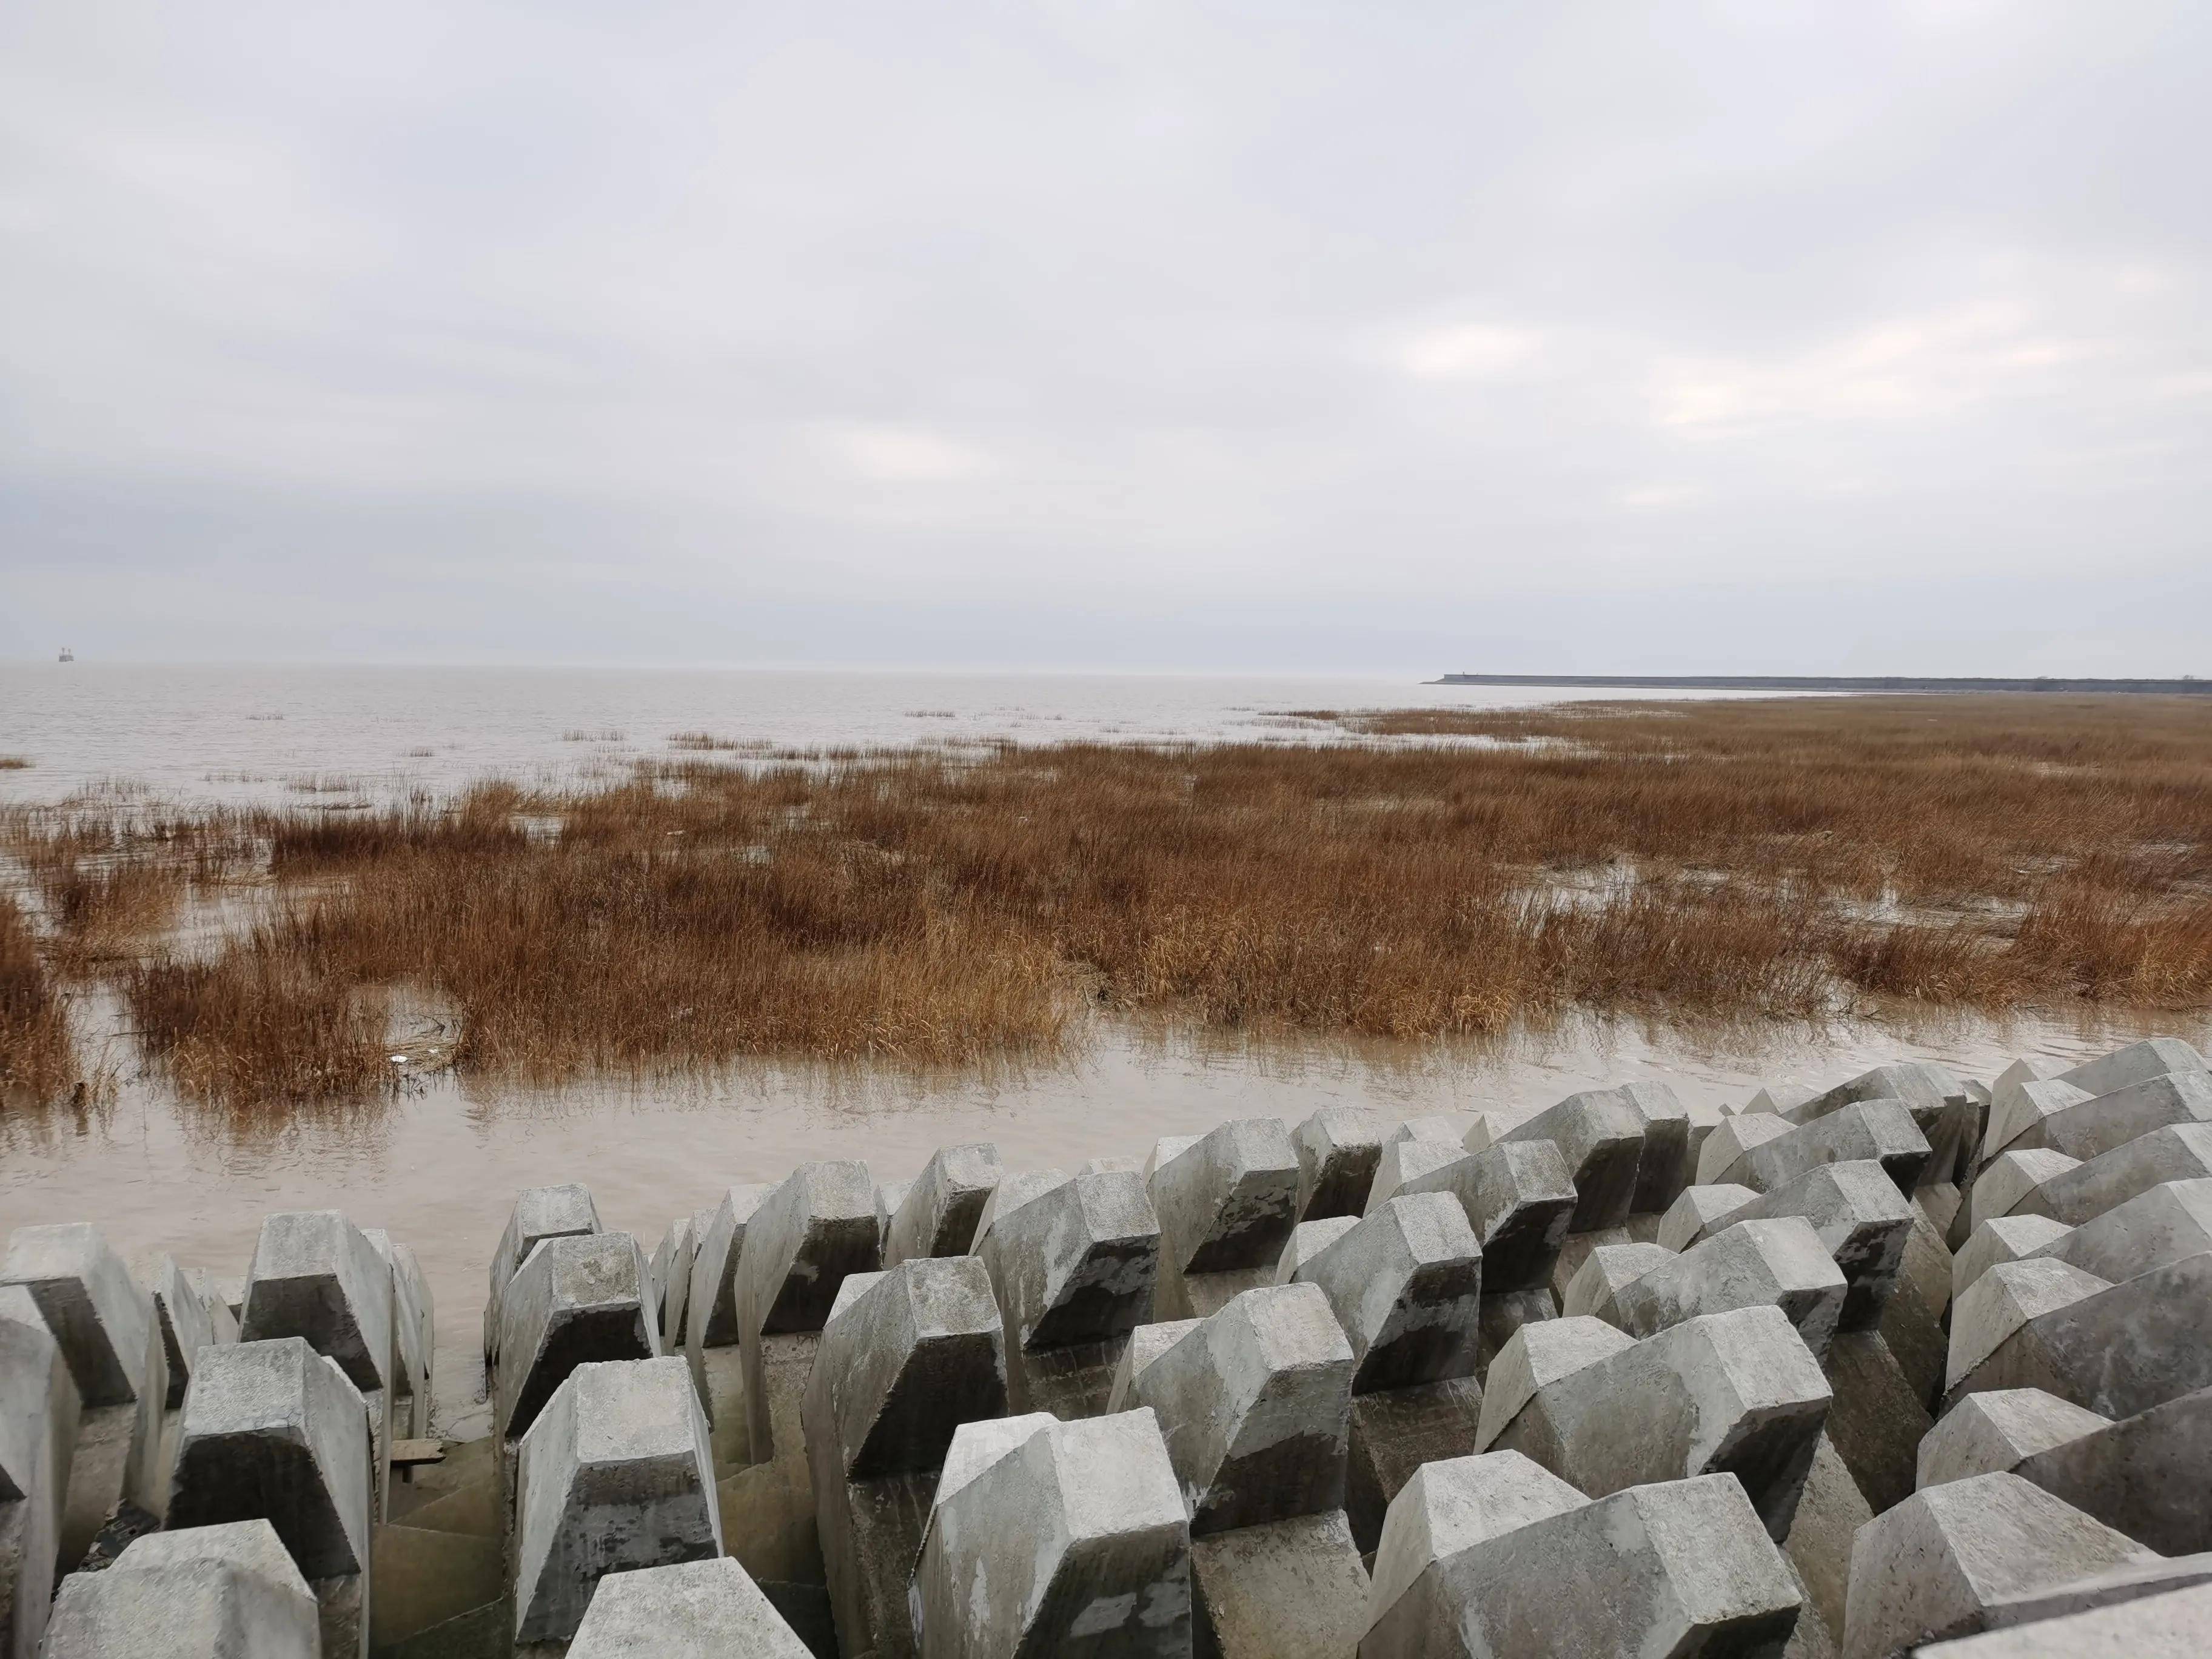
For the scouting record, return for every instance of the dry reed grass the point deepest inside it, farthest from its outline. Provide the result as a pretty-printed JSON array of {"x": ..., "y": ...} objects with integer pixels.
[
  {"x": 36, "y": 1060},
  {"x": 1723, "y": 859}
]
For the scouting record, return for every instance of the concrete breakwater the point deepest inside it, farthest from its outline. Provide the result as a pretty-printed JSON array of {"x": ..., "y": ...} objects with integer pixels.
[{"x": 1917, "y": 1363}]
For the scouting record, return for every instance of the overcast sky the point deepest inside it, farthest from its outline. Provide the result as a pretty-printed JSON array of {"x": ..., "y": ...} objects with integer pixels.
[{"x": 1869, "y": 336}]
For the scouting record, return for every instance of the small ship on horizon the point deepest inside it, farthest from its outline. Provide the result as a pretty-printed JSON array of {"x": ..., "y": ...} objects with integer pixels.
[{"x": 67, "y": 655}]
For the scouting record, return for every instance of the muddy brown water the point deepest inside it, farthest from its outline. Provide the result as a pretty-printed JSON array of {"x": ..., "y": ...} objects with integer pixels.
[{"x": 439, "y": 1164}]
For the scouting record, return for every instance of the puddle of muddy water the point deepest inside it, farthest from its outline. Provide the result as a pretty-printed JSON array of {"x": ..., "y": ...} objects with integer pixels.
[{"x": 439, "y": 1163}]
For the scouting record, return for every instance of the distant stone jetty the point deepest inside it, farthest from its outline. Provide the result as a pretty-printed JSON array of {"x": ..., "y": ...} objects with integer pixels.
[
  {"x": 1917, "y": 1365},
  {"x": 2187, "y": 686}
]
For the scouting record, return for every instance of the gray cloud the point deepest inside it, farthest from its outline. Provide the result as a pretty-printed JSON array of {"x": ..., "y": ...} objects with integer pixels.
[{"x": 1739, "y": 335}]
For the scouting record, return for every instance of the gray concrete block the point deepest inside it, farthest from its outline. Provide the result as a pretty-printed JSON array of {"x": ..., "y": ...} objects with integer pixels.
[
  {"x": 1994, "y": 1431},
  {"x": 1405, "y": 1284},
  {"x": 1146, "y": 1343},
  {"x": 1229, "y": 1200},
  {"x": 2002, "y": 1303},
  {"x": 688, "y": 1610},
  {"x": 577, "y": 1298},
  {"x": 2136, "y": 1063},
  {"x": 1308, "y": 1240},
  {"x": 1875, "y": 1425},
  {"x": 1682, "y": 1568},
  {"x": 1073, "y": 1270},
  {"x": 1605, "y": 1271},
  {"x": 1671, "y": 1142},
  {"x": 711, "y": 1300},
  {"x": 1948, "y": 1560},
  {"x": 1019, "y": 1187},
  {"x": 1338, "y": 1149},
  {"x": 1539, "y": 1355},
  {"x": 1698, "y": 1213},
  {"x": 1055, "y": 1537},
  {"x": 273, "y": 1430},
  {"x": 88, "y": 1301},
  {"x": 1255, "y": 1407},
  {"x": 412, "y": 1326},
  {"x": 316, "y": 1276},
  {"x": 1519, "y": 1199},
  {"x": 214, "y": 1592},
  {"x": 2094, "y": 1126},
  {"x": 187, "y": 1324},
  {"x": 902, "y": 1363},
  {"x": 1882, "y": 1130},
  {"x": 1289, "y": 1590},
  {"x": 1734, "y": 1141},
  {"x": 942, "y": 1207},
  {"x": 1394, "y": 1433},
  {"x": 2074, "y": 1193},
  {"x": 2146, "y": 1475},
  {"x": 816, "y": 1227},
  {"x": 539, "y": 1214},
  {"x": 1411, "y": 1164},
  {"x": 1733, "y": 1392},
  {"x": 2010, "y": 1183},
  {"x": 1862, "y": 1220},
  {"x": 2116, "y": 1350},
  {"x": 2021, "y": 1105},
  {"x": 2148, "y": 1230},
  {"x": 1780, "y": 1263},
  {"x": 613, "y": 1476},
  {"x": 2005, "y": 1238},
  {"x": 1601, "y": 1134},
  {"x": 2176, "y": 1624},
  {"x": 39, "y": 1418},
  {"x": 671, "y": 1277}
]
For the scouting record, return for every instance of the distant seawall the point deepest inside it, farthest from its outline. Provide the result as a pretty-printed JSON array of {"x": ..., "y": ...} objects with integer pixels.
[{"x": 1826, "y": 683}]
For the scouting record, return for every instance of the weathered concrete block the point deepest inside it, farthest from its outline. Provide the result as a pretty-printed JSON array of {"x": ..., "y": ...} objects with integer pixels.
[
  {"x": 2176, "y": 1624},
  {"x": 539, "y": 1214},
  {"x": 1733, "y": 1392},
  {"x": 1519, "y": 1199},
  {"x": 1308, "y": 1240},
  {"x": 578, "y": 1297},
  {"x": 671, "y": 1277},
  {"x": 1021, "y": 1186},
  {"x": 1862, "y": 1220},
  {"x": 2090, "y": 1127},
  {"x": 1700, "y": 1212},
  {"x": 2007, "y": 1238},
  {"x": 1338, "y": 1149},
  {"x": 101, "y": 1318},
  {"x": 1255, "y": 1406},
  {"x": 613, "y": 1476},
  {"x": 2150, "y": 1230},
  {"x": 1073, "y": 1271},
  {"x": 39, "y": 1418},
  {"x": 1601, "y": 1135},
  {"x": 941, "y": 1210},
  {"x": 316, "y": 1276},
  {"x": 1994, "y": 1431},
  {"x": 1595, "y": 1284},
  {"x": 1874, "y": 1425},
  {"x": 1405, "y": 1284},
  {"x": 1733, "y": 1142},
  {"x": 409, "y": 1407},
  {"x": 1881, "y": 1130},
  {"x": 1058, "y": 1538},
  {"x": 2138, "y": 1062},
  {"x": 274, "y": 1432},
  {"x": 1682, "y": 1568},
  {"x": 1288, "y": 1589},
  {"x": 1948, "y": 1560},
  {"x": 1672, "y": 1139},
  {"x": 2010, "y": 1181},
  {"x": 2020, "y": 1105},
  {"x": 819, "y": 1225},
  {"x": 908, "y": 1355},
  {"x": 1226, "y": 1205},
  {"x": 2074, "y": 1193},
  {"x": 2116, "y": 1350},
  {"x": 227, "y": 1591},
  {"x": 1747, "y": 1264},
  {"x": 1411, "y": 1164},
  {"x": 1394, "y": 1433},
  {"x": 187, "y": 1323},
  {"x": 710, "y": 1322},
  {"x": 1146, "y": 1343},
  {"x": 688, "y": 1610}
]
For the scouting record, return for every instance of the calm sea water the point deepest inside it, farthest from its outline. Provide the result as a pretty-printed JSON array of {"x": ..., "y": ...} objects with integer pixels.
[{"x": 438, "y": 1163}]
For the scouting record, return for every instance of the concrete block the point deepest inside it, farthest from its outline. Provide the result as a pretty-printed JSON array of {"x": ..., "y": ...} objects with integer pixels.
[
  {"x": 1947, "y": 1111},
  {"x": 2176, "y": 1624},
  {"x": 2020, "y": 1105},
  {"x": 2116, "y": 1350},
  {"x": 1601, "y": 1134},
  {"x": 1255, "y": 1406},
  {"x": 316, "y": 1276},
  {"x": 1876, "y": 1423},
  {"x": 1073, "y": 1271},
  {"x": 412, "y": 1327},
  {"x": 1700, "y": 1212},
  {"x": 2029, "y": 1069},
  {"x": 1733, "y": 1392},
  {"x": 1288, "y": 1589},
  {"x": 1021, "y": 1186},
  {"x": 688, "y": 1610},
  {"x": 2090, "y": 1127},
  {"x": 1411, "y": 1164},
  {"x": 539, "y": 1214},
  {"x": 1055, "y": 1537},
  {"x": 2003, "y": 1302},
  {"x": 1746, "y": 1264},
  {"x": 2146, "y": 1475},
  {"x": 941, "y": 1210},
  {"x": 1734, "y": 1141},
  {"x": 1862, "y": 1220},
  {"x": 1948, "y": 1560},
  {"x": 671, "y": 1277},
  {"x": 1146, "y": 1343},
  {"x": 1996, "y": 1431},
  {"x": 1308, "y": 1240},
  {"x": 1882, "y": 1130},
  {"x": 819, "y": 1225},
  {"x": 1394, "y": 1433},
  {"x": 1682, "y": 1568},
  {"x": 2007, "y": 1238},
  {"x": 1519, "y": 1199},
  {"x": 186, "y": 1325},
  {"x": 710, "y": 1322},
  {"x": 229, "y": 1591},
  {"x": 1338, "y": 1149},
  {"x": 613, "y": 1476},
  {"x": 1668, "y": 1161},
  {"x": 2010, "y": 1181},
  {"x": 1819, "y": 1548},
  {"x": 1596, "y": 1283},
  {"x": 1229, "y": 1200},
  {"x": 2148, "y": 1230},
  {"x": 902, "y": 1363},
  {"x": 2074, "y": 1193},
  {"x": 86, "y": 1295},
  {"x": 1405, "y": 1284},
  {"x": 1539, "y": 1355},
  {"x": 2138, "y": 1062},
  {"x": 39, "y": 1420},
  {"x": 1438, "y": 1126},
  {"x": 577, "y": 1298},
  {"x": 272, "y": 1431}
]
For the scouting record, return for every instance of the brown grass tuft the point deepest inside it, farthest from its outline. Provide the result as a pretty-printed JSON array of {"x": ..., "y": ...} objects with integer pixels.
[{"x": 37, "y": 1061}]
